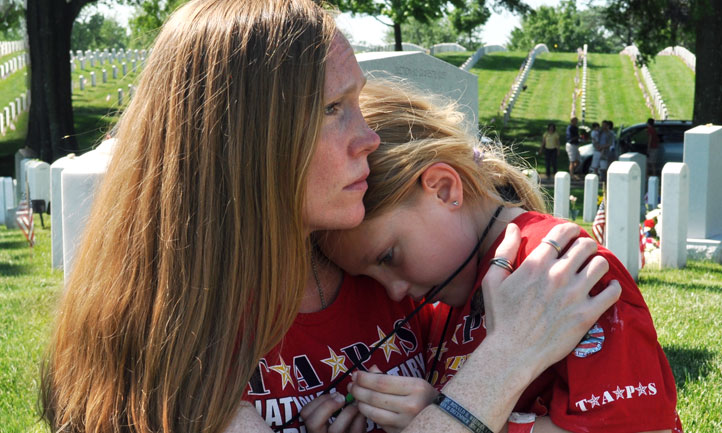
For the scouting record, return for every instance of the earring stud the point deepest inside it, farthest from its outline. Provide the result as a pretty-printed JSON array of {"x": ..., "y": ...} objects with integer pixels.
[{"x": 455, "y": 202}]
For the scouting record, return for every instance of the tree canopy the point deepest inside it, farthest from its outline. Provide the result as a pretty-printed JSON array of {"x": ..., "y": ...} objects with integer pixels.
[
  {"x": 564, "y": 28},
  {"x": 97, "y": 32}
]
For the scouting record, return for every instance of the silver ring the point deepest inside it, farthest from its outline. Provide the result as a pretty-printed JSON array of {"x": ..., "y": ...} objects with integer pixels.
[
  {"x": 554, "y": 245},
  {"x": 503, "y": 263}
]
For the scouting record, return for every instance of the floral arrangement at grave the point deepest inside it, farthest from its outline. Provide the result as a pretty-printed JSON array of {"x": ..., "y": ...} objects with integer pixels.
[
  {"x": 650, "y": 237},
  {"x": 573, "y": 211}
]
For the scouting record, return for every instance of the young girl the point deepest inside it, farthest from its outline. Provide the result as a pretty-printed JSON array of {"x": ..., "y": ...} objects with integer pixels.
[{"x": 433, "y": 194}]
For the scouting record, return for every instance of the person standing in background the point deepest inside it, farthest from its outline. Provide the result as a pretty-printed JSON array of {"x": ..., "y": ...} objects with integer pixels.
[
  {"x": 652, "y": 148},
  {"x": 573, "y": 147},
  {"x": 550, "y": 148}
]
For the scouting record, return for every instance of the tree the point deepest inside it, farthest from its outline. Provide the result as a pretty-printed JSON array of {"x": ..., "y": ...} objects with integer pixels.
[
  {"x": 426, "y": 34},
  {"x": 11, "y": 20},
  {"x": 51, "y": 133},
  {"x": 562, "y": 28},
  {"x": 97, "y": 32},
  {"x": 148, "y": 18},
  {"x": 662, "y": 23},
  {"x": 466, "y": 19},
  {"x": 399, "y": 11}
]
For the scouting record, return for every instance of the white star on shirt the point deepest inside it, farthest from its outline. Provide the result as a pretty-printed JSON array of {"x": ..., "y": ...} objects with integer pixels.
[
  {"x": 594, "y": 401},
  {"x": 337, "y": 362},
  {"x": 389, "y": 346},
  {"x": 285, "y": 372},
  {"x": 641, "y": 389},
  {"x": 619, "y": 392}
]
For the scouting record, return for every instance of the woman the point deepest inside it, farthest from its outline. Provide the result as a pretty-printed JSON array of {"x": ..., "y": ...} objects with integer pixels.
[
  {"x": 244, "y": 137},
  {"x": 550, "y": 147}
]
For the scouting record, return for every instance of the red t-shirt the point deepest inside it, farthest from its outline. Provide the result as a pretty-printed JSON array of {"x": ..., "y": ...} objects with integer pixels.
[
  {"x": 616, "y": 380},
  {"x": 321, "y": 346}
]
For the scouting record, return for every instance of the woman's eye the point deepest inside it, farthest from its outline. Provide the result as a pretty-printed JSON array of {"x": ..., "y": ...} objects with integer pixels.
[
  {"x": 331, "y": 109},
  {"x": 387, "y": 257}
]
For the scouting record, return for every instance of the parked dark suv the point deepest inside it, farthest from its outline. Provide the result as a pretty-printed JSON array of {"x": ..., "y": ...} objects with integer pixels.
[{"x": 634, "y": 139}]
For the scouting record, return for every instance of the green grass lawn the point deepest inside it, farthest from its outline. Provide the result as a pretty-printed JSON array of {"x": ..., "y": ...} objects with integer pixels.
[
  {"x": 675, "y": 82},
  {"x": 686, "y": 306}
]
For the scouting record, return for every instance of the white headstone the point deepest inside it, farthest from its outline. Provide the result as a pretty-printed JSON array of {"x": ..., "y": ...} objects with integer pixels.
[
  {"x": 120, "y": 97},
  {"x": 92, "y": 79},
  {"x": 591, "y": 192},
  {"x": 561, "y": 194},
  {"x": 2, "y": 124},
  {"x": 13, "y": 112},
  {"x": 675, "y": 213},
  {"x": 79, "y": 181},
  {"x": 7, "y": 196},
  {"x": 653, "y": 191},
  {"x": 115, "y": 72},
  {"x": 703, "y": 156},
  {"x": 38, "y": 174},
  {"x": 82, "y": 82},
  {"x": 56, "y": 209},
  {"x": 134, "y": 66},
  {"x": 427, "y": 74},
  {"x": 105, "y": 76},
  {"x": 641, "y": 161},
  {"x": 622, "y": 227},
  {"x": 125, "y": 69}
]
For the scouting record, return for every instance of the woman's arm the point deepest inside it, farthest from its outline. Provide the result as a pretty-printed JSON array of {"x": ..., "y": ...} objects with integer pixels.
[{"x": 535, "y": 317}]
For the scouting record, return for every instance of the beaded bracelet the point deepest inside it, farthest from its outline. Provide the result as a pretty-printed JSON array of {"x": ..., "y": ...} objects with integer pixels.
[{"x": 462, "y": 415}]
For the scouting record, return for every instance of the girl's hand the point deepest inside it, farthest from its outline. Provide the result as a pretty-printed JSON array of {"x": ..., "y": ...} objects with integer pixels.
[
  {"x": 318, "y": 412},
  {"x": 543, "y": 308},
  {"x": 390, "y": 401}
]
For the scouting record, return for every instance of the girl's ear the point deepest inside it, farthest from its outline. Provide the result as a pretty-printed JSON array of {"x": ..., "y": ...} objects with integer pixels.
[{"x": 444, "y": 182}]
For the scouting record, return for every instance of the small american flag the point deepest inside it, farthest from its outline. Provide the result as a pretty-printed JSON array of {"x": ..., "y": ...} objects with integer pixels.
[
  {"x": 600, "y": 221},
  {"x": 24, "y": 217}
]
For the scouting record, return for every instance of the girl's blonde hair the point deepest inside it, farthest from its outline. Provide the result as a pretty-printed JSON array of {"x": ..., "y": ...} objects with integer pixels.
[
  {"x": 417, "y": 132},
  {"x": 196, "y": 252}
]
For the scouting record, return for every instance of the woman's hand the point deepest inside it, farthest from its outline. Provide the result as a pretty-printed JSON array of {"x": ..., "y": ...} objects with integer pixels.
[
  {"x": 543, "y": 308},
  {"x": 390, "y": 401},
  {"x": 316, "y": 415}
]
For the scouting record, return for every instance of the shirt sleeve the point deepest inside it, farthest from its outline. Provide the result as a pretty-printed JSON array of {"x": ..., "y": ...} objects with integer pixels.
[{"x": 618, "y": 378}]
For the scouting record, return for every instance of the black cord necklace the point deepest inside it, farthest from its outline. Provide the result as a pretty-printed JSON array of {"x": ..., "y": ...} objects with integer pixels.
[{"x": 429, "y": 298}]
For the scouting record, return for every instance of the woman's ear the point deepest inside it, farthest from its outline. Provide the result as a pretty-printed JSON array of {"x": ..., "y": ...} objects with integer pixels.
[{"x": 444, "y": 182}]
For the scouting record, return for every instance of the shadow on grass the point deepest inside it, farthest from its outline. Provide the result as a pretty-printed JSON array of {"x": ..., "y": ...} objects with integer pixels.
[
  {"x": 8, "y": 269},
  {"x": 91, "y": 124},
  {"x": 681, "y": 285},
  {"x": 12, "y": 244},
  {"x": 688, "y": 364}
]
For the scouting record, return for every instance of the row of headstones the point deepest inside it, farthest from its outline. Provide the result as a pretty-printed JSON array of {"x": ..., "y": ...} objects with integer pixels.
[
  {"x": 11, "y": 111},
  {"x": 101, "y": 57},
  {"x": 584, "y": 85},
  {"x": 481, "y": 52},
  {"x": 683, "y": 53},
  {"x": 521, "y": 79},
  {"x": 448, "y": 47},
  {"x": 660, "y": 107},
  {"x": 405, "y": 46},
  {"x": 67, "y": 185},
  {"x": 9, "y": 47},
  {"x": 104, "y": 74},
  {"x": 690, "y": 201},
  {"x": 12, "y": 65}
]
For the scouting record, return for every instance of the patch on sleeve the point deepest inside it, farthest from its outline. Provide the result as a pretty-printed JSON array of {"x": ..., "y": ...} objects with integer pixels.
[{"x": 591, "y": 343}]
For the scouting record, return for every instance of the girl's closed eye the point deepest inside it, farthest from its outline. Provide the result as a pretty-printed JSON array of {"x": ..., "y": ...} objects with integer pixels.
[{"x": 386, "y": 257}]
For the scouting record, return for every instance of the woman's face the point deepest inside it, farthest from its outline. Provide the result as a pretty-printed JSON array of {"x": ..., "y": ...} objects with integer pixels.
[{"x": 338, "y": 171}]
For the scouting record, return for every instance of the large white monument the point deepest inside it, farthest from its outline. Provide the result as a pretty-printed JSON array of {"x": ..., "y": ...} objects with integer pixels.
[{"x": 427, "y": 74}]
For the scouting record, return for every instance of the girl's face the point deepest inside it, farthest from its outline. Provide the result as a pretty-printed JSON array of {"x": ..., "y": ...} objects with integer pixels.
[
  {"x": 338, "y": 171},
  {"x": 411, "y": 249}
]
